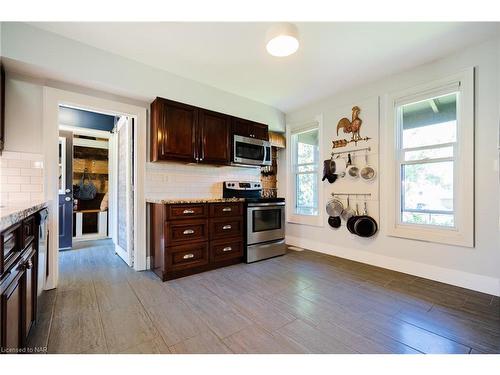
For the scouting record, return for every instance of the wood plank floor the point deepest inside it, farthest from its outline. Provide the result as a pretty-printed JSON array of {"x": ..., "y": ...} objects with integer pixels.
[{"x": 303, "y": 302}]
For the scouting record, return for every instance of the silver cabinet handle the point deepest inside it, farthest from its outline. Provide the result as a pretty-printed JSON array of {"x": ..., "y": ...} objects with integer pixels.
[
  {"x": 188, "y": 212},
  {"x": 225, "y": 227},
  {"x": 188, "y": 256},
  {"x": 229, "y": 248},
  {"x": 188, "y": 231},
  {"x": 227, "y": 209}
]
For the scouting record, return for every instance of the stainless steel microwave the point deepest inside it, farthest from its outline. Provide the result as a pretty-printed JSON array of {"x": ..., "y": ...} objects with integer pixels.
[{"x": 251, "y": 151}]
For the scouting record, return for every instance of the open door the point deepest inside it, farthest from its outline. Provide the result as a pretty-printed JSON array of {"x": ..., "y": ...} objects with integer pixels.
[
  {"x": 65, "y": 190},
  {"x": 124, "y": 190}
]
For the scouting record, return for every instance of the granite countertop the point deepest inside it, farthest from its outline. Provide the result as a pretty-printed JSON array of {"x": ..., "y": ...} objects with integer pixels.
[
  {"x": 13, "y": 213},
  {"x": 193, "y": 200}
]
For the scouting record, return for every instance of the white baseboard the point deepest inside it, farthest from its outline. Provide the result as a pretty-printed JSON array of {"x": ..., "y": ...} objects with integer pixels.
[{"x": 462, "y": 279}]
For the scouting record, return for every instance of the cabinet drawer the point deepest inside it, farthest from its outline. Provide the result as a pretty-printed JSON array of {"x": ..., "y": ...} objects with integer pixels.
[
  {"x": 187, "y": 256},
  {"x": 28, "y": 231},
  {"x": 186, "y": 211},
  {"x": 226, "y": 209},
  {"x": 10, "y": 246},
  {"x": 178, "y": 232},
  {"x": 226, "y": 227},
  {"x": 225, "y": 249}
]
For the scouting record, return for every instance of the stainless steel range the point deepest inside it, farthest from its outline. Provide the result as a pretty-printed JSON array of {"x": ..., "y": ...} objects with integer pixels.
[{"x": 265, "y": 220}]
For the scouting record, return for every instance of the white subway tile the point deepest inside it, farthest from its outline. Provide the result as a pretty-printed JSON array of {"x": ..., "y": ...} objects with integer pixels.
[
  {"x": 10, "y": 172},
  {"x": 30, "y": 156},
  {"x": 10, "y": 187},
  {"x": 36, "y": 196},
  {"x": 36, "y": 180},
  {"x": 18, "y": 179},
  {"x": 16, "y": 163},
  {"x": 11, "y": 155},
  {"x": 17, "y": 197},
  {"x": 31, "y": 172},
  {"x": 32, "y": 188}
]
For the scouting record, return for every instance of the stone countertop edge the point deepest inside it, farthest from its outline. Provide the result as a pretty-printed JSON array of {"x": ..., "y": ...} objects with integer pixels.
[
  {"x": 190, "y": 201},
  {"x": 12, "y": 214}
]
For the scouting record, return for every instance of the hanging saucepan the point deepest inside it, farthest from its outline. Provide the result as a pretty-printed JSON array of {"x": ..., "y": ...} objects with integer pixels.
[
  {"x": 352, "y": 170},
  {"x": 334, "y": 207},
  {"x": 334, "y": 221},
  {"x": 347, "y": 212},
  {"x": 352, "y": 220},
  {"x": 367, "y": 173},
  {"x": 365, "y": 226}
]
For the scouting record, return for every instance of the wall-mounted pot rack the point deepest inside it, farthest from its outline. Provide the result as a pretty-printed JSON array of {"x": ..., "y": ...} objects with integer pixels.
[
  {"x": 355, "y": 194},
  {"x": 352, "y": 151}
]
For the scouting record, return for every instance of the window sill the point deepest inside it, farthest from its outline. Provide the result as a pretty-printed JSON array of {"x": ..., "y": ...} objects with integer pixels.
[
  {"x": 312, "y": 220},
  {"x": 435, "y": 235}
]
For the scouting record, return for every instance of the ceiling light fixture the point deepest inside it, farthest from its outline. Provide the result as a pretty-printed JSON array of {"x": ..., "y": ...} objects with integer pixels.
[{"x": 282, "y": 40}]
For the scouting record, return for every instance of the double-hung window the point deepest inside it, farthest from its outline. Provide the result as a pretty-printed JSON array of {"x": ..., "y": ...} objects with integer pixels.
[
  {"x": 433, "y": 162},
  {"x": 304, "y": 186}
]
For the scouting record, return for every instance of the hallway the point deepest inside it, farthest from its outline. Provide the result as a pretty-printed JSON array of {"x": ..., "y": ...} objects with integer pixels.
[{"x": 303, "y": 302}]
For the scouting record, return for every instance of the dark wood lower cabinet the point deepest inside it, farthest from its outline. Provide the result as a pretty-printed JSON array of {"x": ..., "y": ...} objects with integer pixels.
[
  {"x": 182, "y": 245},
  {"x": 12, "y": 326},
  {"x": 18, "y": 292}
]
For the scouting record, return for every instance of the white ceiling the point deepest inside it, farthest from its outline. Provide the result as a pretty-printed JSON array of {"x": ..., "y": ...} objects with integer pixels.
[{"x": 232, "y": 56}]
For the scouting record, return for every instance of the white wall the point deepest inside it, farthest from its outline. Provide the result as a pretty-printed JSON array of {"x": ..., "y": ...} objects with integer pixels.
[
  {"x": 66, "y": 60},
  {"x": 475, "y": 268}
]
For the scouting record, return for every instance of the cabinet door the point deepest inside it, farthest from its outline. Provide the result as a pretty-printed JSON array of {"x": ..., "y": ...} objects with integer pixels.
[
  {"x": 241, "y": 127},
  {"x": 214, "y": 136},
  {"x": 250, "y": 129},
  {"x": 30, "y": 293},
  {"x": 173, "y": 131},
  {"x": 11, "y": 305},
  {"x": 259, "y": 131}
]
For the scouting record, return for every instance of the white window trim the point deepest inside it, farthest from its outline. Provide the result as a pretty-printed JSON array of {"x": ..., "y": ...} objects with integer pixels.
[
  {"x": 463, "y": 233},
  {"x": 291, "y": 216}
]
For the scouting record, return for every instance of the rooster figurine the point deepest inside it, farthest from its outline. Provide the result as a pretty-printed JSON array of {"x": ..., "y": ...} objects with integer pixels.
[{"x": 351, "y": 126}]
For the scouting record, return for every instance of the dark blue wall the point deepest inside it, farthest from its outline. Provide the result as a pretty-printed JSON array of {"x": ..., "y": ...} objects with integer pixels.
[{"x": 85, "y": 119}]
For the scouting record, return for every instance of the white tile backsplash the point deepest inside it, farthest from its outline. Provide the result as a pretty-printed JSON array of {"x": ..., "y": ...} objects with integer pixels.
[
  {"x": 21, "y": 177},
  {"x": 175, "y": 180}
]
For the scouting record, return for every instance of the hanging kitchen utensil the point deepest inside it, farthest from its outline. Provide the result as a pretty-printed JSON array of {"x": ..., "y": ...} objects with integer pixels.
[
  {"x": 365, "y": 225},
  {"x": 329, "y": 171},
  {"x": 347, "y": 212},
  {"x": 352, "y": 220},
  {"x": 352, "y": 170},
  {"x": 334, "y": 207},
  {"x": 334, "y": 221},
  {"x": 367, "y": 173}
]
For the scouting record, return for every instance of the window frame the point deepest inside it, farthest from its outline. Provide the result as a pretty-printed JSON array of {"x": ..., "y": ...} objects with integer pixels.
[
  {"x": 462, "y": 234},
  {"x": 291, "y": 215}
]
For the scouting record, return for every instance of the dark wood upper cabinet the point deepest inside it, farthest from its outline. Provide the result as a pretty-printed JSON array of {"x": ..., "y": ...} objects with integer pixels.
[
  {"x": 181, "y": 132},
  {"x": 215, "y": 137},
  {"x": 173, "y": 131},
  {"x": 250, "y": 129}
]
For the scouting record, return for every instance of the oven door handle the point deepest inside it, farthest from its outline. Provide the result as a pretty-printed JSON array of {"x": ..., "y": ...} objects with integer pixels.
[{"x": 266, "y": 205}]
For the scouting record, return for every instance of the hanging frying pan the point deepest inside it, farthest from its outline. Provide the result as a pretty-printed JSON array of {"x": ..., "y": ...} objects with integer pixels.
[
  {"x": 347, "y": 212},
  {"x": 352, "y": 221},
  {"x": 334, "y": 221},
  {"x": 365, "y": 226},
  {"x": 334, "y": 207},
  {"x": 367, "y": 173}
]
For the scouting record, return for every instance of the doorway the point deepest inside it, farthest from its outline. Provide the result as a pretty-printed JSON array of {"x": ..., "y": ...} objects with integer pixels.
[
  {"x": 95, "y": 181},
  {"x": 126, "y": 200}
]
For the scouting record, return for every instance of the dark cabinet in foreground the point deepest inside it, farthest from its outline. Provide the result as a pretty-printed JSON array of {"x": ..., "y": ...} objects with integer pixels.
[
  {"x": 18, "y": 284},
  {"x": 192, "y": 238}
]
